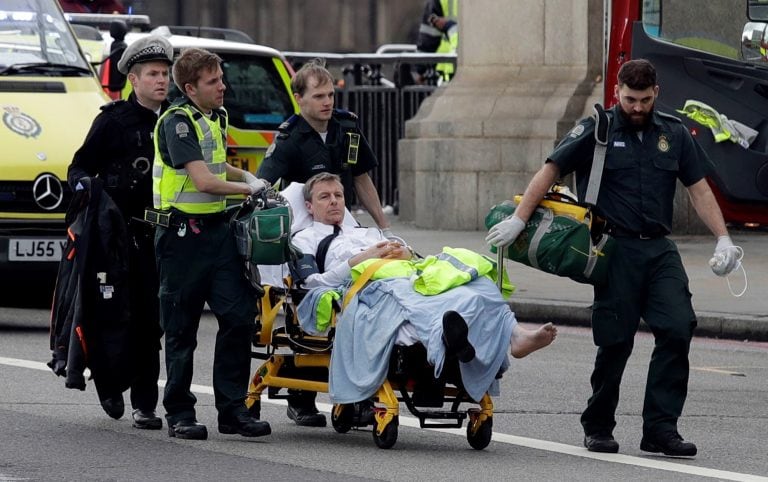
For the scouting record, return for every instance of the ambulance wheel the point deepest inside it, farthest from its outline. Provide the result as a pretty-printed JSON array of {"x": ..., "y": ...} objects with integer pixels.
[
  {"x": 255, "y": 410},
  {"x": 341, "y": 418},
  {"x": 482, "y": 437},
  {"x": 388, "y": 436}
]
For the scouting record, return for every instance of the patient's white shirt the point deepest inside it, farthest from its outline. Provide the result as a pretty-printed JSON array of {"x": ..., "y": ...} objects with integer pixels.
[{"x": 349, "y": 242}]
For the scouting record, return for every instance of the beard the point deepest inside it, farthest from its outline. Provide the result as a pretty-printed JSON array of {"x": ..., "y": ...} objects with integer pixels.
[{"x": 638, "y": 121}]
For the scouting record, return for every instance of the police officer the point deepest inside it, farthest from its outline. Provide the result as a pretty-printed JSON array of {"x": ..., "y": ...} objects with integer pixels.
[
  {"x": 439, "y": 33},
  {"x": 119, "y": 150},
  {"x": 648, "y": 151},
  {"x": 196, "y": 254},
  {"x": 321, "y": 139}
]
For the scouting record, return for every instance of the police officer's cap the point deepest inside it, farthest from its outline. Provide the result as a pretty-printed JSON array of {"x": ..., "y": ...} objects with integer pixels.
[{"x": 147, "y": 49}]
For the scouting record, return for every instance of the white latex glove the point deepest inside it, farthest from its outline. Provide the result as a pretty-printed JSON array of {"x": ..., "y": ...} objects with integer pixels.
[
  {"x": 505, "y": 232},
  {"x": 387, "y": 233},
  {"x": 254, "y": 182},
  {"x": 726, "y": 257}
]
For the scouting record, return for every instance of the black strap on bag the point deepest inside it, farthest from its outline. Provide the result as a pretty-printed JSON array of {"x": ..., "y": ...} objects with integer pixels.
[{"x": 322, "y": 248}]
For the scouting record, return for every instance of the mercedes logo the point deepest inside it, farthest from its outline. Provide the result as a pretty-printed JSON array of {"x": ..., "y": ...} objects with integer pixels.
[{"x": 48, "y": 192}]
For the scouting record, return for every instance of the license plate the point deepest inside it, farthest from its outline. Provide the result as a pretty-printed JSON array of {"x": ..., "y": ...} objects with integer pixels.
[{"x": 35, "y": 249}]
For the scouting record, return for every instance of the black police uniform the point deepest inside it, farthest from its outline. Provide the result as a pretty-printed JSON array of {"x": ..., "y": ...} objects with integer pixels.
[
  {"x": 198, "y": 263},
  {"x": 119, "y": 150},
  {"x": 299, "y": 152},
  {"x": 646, "y": 277}
]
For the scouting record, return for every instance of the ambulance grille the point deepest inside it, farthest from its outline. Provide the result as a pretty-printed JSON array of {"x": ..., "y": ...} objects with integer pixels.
[{"x": 16, "y": 197}]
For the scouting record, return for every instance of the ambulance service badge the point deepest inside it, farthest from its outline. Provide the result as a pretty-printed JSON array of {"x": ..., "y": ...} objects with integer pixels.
[
  {"x": 19, "y": 122},
  {"x": 663, "y": 143}
]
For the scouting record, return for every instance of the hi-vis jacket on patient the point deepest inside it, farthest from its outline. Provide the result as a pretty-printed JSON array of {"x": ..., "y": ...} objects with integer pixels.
[{"x": 430, "y": 276}]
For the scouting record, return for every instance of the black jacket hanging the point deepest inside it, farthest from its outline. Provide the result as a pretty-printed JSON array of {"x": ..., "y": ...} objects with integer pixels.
[{"x": 90, "y": 310}]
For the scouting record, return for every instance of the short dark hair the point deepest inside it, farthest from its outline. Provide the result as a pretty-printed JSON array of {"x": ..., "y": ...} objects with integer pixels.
[
  {"x": 314, "y": 69},
  {"x": 638, "y": 74},
  {"x": 316, "y": 179},
  {"x": 190, "y": 64}
]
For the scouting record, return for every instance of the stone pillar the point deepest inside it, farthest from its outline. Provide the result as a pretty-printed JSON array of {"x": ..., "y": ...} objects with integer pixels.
[{"x": 526, "y": 69}]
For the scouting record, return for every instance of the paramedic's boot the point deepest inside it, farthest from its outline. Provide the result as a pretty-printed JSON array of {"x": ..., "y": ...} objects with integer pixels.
[
  {"x": 146, "y": 419},
  {"x": 668, "y": 443},
  {"x": 455, "y": 332},
  {"x": 600, "y": 442},
  {"x": 305, "y": 416},
  {"x": 302, "y": 409},
  {"x": 244, "y": 425},
  {"x": 188, "y": 429},
  {"x": 114, "y": 406},
  {"x": 364, "y": 413}
]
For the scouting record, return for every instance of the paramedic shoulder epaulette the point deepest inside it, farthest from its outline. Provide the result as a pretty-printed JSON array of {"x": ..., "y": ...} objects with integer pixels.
[
  {"x": 347, "y": 119},
  {"x": 344, "y": 114},
  {"x": 112, "y": 105},
  {"x": 287, "y": 126},
  {"x": 669, "y": 116}
]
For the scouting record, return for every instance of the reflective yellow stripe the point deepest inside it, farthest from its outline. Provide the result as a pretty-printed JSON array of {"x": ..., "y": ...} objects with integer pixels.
[
  {"x": 450, "y": 9},
  {"x": 172, "y": 187}
]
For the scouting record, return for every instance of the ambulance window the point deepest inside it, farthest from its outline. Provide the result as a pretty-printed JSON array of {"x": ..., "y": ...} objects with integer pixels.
[
  {"x": 256, "y": 97},
  {"x": 714, "y": 26}
]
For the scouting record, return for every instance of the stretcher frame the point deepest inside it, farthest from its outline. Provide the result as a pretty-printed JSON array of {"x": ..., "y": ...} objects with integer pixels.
[{"x": 309, "y": 354}]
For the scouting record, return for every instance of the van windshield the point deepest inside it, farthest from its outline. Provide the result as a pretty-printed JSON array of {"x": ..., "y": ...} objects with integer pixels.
[{"x": 34, "y": 36}]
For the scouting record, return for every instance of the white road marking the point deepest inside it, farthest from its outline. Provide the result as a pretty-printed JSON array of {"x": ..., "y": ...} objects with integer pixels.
[
  {"x": 719, "y": 370},
  {"x": 575, "y": 451}
]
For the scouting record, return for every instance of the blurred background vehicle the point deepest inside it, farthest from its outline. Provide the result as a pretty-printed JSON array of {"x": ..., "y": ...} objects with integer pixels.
[
  {"x": 49, "y": 94},
  {"x": 711, "y": 53},
  {"x": 258, "y": 96}
]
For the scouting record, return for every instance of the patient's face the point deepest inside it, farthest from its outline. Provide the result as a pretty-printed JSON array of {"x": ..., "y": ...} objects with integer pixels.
[{"x": 327, "y": 205}]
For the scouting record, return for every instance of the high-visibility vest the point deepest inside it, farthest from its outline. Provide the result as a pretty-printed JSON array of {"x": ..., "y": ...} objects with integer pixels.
[
  {"x": 397, "y": 268},
  {"x": 171, "y": 187},
  {"x": 436, "y": 274},
  {"x": 455, "y": 267},
  {"x": 450, "y": 41}
]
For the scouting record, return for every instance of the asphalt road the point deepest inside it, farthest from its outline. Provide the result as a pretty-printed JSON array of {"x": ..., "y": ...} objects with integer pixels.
[{"x": 48, "y": 432}]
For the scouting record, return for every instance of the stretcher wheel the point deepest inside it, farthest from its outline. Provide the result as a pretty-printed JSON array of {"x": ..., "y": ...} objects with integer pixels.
[
  {"x": 388, "y": 436},
  {"x": 482, "y": 437},
  {"x": 255, "y": 410},
  {"x": 341, "y": 418}
]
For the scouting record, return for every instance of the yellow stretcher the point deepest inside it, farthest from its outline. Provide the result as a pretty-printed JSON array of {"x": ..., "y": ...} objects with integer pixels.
[{"x": 296, "y": 360}]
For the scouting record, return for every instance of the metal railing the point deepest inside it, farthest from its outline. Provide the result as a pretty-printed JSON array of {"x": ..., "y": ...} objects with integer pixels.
[{"x": 381, "y": 90}]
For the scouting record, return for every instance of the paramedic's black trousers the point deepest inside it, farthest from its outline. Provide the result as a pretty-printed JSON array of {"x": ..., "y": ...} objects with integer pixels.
[
  {"x": 646, "y": 279},
  {"x": 195, "y": 268}
]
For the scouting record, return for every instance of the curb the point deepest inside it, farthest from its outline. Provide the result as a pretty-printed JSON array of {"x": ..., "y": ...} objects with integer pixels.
[{"x": 713, "y": 325}]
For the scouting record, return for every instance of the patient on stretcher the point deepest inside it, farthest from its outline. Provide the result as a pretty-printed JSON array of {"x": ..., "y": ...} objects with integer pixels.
[{"x": 465, "y": 318}]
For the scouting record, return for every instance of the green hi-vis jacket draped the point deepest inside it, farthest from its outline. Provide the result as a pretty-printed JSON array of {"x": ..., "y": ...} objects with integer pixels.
[{"x": 171, "y": 186}]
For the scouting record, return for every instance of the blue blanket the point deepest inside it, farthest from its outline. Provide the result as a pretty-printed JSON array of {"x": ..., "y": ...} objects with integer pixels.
[{"x": 367, "y": 328}]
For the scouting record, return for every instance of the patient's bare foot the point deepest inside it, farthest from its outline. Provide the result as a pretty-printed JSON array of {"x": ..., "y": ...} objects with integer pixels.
[{"x": 524, "y": 342}]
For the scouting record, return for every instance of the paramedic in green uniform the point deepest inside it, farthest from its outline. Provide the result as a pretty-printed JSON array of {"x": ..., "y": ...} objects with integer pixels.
[
  {"x": 196, "y": 254},
  {"x": 647, "y": 152},
  {"x": 322, "y": 139}
]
